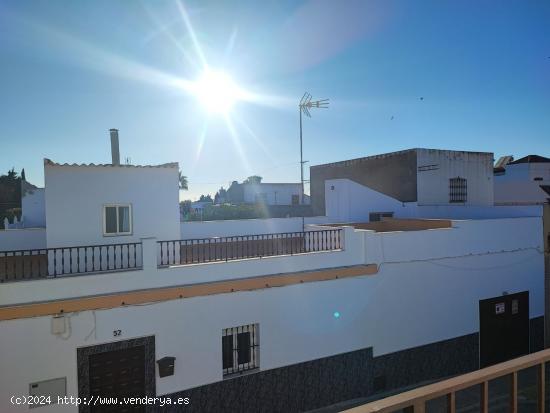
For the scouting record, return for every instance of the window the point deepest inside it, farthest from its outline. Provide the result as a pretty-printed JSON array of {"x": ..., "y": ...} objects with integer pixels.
[
  {"x": 117, "y": 219},
  {"x": 377, "y": 216},
  {"x": 240, "y": 349},
  {"x": 295, "y": 199},
  {"x": 458, "y": 190}
]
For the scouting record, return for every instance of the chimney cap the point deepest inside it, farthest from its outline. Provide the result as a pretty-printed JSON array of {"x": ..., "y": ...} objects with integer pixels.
[{"x": 113, "y": 129}]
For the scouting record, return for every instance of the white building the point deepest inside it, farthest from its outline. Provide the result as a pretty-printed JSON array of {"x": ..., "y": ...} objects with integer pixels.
[
  {"x": 272, "y": 193},
  {"x": 33, "y": 206},
  {"x": 411, "y": 183},
  {"x": 296, "y": 320},
  {"x": 109, "y": 204},
  {"x": 525, "y": 181},
  {"x": 266, "y": 193}
]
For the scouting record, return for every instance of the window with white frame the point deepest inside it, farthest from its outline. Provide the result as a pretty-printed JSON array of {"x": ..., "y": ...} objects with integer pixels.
[
  {"x": 117, "y": 219},
  {"x": 458, "y": 190},
  {"x": 240, "y": 349}
]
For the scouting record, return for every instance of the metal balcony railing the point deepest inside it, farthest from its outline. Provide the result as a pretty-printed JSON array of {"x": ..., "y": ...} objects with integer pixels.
[
  {"x": 53, "y": 262},
  {"x": 194, "y": 251}
]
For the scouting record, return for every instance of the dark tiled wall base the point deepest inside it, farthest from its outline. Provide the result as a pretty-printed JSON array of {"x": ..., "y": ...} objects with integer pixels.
[
  {"x": 319, "y": 383},
  {"x": 299, "y": 387},
  {"x": 536, "y": 331},
  {"x": 425, "y": 363}
]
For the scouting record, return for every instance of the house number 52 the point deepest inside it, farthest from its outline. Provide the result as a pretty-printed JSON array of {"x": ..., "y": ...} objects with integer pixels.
[{"x": 117, "y": 333}]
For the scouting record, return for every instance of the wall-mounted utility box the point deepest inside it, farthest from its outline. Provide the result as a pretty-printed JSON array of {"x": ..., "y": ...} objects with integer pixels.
[
  {"x": 48, "y": 389},
  {"x": 58, "y": 325},
  {"x": 166, "y": 366}
]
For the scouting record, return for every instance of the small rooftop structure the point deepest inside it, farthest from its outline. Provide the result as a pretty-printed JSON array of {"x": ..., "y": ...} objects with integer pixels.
[{"x": 531, "y": 159}]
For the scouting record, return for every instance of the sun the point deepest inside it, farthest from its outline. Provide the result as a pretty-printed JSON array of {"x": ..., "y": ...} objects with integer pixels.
[{"x": 216, "y": 91}]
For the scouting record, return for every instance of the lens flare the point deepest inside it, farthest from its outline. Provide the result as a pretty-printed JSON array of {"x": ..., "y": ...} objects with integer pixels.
[{"x": 217, "y": 91}]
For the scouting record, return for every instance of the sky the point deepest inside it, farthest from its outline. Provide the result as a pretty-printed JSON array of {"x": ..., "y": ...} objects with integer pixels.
[{"x": 467, "y": 75}]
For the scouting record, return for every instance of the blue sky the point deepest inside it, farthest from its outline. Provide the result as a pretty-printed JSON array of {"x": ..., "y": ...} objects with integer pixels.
[{"x": 73, "y": 69}]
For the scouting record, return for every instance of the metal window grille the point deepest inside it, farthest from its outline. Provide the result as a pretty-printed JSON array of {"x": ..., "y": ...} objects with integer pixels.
[
  {"x": 240, "y": 349},
  {"x": 458, "y": 190}
]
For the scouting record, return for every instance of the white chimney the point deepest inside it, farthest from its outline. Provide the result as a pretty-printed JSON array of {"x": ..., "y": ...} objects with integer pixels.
[{"x": 114, "y": 146}]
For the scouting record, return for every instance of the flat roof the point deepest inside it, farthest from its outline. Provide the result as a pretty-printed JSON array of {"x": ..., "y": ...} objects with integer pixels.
[{"x": 389, "y": 154}]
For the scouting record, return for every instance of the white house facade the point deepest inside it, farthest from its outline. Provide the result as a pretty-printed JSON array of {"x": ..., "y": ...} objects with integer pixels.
[{"x": 82, "y": 200}]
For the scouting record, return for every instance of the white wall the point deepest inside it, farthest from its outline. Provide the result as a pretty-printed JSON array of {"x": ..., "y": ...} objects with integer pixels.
[
  {"x": 276, "y": 194},
  {"x": 227, "y": 228},
  {"x": 517, "y": 184},
  {"x": 348, "y": 201},
  {"x": 433, "y": 185},
  {"x": 75, "y": 197},
  {"x": 22, "y": 239},
  {"x": 478, "y": 212},
  {"x": 352, "y": 202},
  {"x": 151, "y": 277},
  {"x": 408, "y": 303},
  {"x": 33, "y": 206}
]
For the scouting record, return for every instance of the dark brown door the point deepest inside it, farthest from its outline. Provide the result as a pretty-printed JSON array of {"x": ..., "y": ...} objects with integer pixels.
[
  {"x": 503, "y": 328},
  {"x": 118, "y": 374}
]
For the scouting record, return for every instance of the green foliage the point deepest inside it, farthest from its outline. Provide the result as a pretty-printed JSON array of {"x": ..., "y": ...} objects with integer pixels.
[
  {"x": 185, "y": 209},
  {"x": 225, "y": 211},
  {"x": 221, "y": 196},
  {"x": 254, "y": 179},
  {"x": 184, "y": 184},
  {"x": 10, "y": 196},
  {"x": 206, "y": 198}
]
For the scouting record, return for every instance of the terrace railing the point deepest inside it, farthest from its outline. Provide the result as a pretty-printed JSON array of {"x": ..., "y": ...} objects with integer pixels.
[
  {"x": 518, "y": 385},
  {"x": 194, "y": 251},
  {"x": 54, "y": 262}
]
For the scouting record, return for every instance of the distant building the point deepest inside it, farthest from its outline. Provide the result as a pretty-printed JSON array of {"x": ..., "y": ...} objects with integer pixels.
[
  {"x": 521, "y": 182},
  {"x": 198, "y": 206},
  {"x": 266, "y": 193},
  {"x": 397, "y": 183},
  {"x": 33, "y": 206}
]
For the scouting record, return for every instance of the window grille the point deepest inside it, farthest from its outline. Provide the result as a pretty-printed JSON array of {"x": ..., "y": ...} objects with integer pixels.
[
  {"x": 240, "y": 349},
  {"x": 458, "y": 190}
]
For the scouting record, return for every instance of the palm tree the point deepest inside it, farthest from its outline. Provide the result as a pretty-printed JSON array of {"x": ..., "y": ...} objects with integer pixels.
[{"x": 183, "y": 181}]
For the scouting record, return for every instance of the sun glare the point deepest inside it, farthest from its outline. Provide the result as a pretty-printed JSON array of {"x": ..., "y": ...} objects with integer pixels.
[{"x": 216, "y": 91}]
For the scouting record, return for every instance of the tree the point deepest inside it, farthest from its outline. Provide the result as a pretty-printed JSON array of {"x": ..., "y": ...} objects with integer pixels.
[
  {"x": 254, "y": 179},
  {"x": 183, "y": 181},
  {"x": 185, "y": 207},
  {"x": 206, "y": 198},
  {"x": 221, "y": 196},
  {"x": 10, "y": 196}
]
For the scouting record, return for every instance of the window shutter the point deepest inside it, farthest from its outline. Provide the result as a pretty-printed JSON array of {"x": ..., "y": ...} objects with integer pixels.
[{"x": 227, "y": 351}]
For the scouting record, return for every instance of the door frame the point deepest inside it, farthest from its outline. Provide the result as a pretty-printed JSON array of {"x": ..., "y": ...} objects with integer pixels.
[
  {"x": 83, "y": 365},
  {"x": 503, "y": 298}
]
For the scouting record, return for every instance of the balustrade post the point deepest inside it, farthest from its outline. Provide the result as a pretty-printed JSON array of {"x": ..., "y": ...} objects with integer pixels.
[{"x": 150, "y": 256}]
